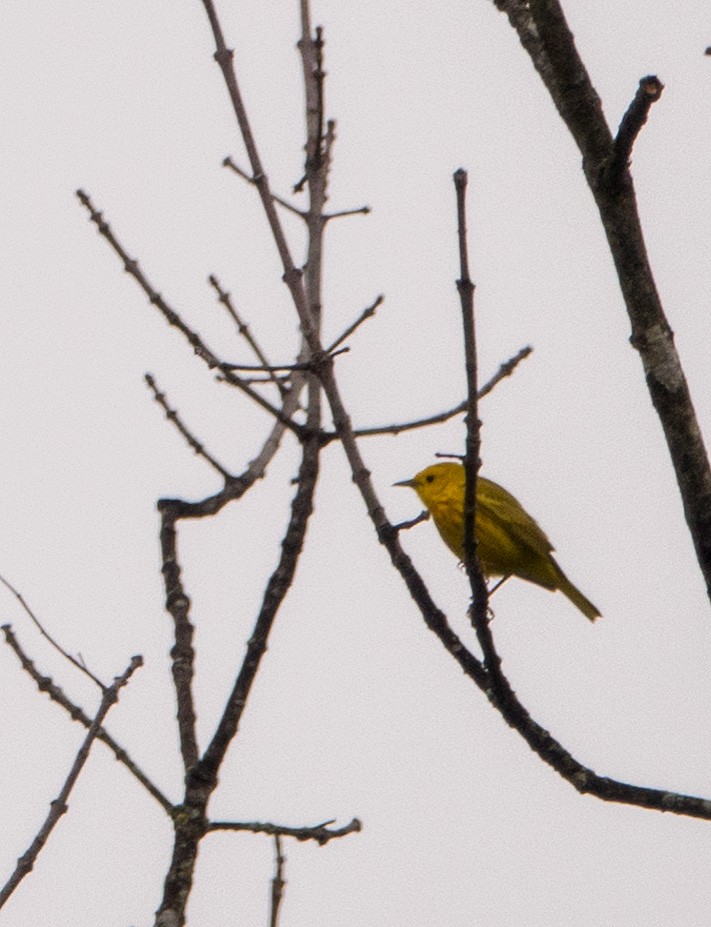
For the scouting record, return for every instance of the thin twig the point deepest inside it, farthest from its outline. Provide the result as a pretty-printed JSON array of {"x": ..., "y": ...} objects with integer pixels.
[
  {"x": 649, "y": 91},
  {"x": 228, "y": 162},
  {"x": 406, "y": 525},
  {"x": 367, "y": 313},
  {"x": 344, "y": 213},
  {"x": 256, "y": 469},
  {"x": 505, "y": 370},
  {"x": 269, "y": 377},
  {"x": 290, "y": 368},
  {"x": 243, "y": 329},
  {"x": 79, "y": 664},
  {"x": 59, "y": 806},
  {"x": 320, "y": 833},
  {"x": 292, "y": 275},
  {"x": 278, "y": 882},
  {"x": 131, "y": 266},
  {"x": 45, "y": 684},
  {"x": 173, "y": 417}
]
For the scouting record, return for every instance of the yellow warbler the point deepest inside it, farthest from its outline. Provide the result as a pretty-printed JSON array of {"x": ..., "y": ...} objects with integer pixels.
[{"x": 510, "y": 543}]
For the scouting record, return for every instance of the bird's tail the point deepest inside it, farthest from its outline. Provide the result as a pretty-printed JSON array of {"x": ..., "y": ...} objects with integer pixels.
[{"x": 577, "y": 598}]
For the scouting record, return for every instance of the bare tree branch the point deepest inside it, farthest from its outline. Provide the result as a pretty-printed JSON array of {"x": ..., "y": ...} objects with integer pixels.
[
  {"x": 213, "y": 362},
  {"x": 367, "y": 313},
  {"x": 192, "y": 441},
  {"x": 226, "y": 300},
  {"x": 202, "y": 774},
  {"x": 545, "y": 35},
  {"x": 228, "y": 162},
  {"x": 505, "y": 370},
  {"x": 292, "y": 275},
  {"x": 58, "y": 807},
  {"x": 649, "y": 91},
  {"x": 283, "y": 368},
  {"x": 472, "y": 456},
  {"x": 345, "y": 213},
  {"x": 278, "y": 882},
  {"x": 79, "y": 664},
  {"x": 496, "y": 688},
  {"x": 318, "y": 832},
  {"x": 45, "y": 684}
]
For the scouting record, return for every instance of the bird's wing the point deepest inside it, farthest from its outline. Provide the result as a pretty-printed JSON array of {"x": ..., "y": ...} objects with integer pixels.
[{"x": 500, "y": 506}]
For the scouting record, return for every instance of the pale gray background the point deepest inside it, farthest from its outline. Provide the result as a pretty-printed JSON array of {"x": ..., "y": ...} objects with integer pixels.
[{"x": 357, "y": 710}]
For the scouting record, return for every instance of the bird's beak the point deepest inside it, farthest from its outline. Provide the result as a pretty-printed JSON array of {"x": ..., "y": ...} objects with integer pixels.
[{"x": 409, "y": 483}]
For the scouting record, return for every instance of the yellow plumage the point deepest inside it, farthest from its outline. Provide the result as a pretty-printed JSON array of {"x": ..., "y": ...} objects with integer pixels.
[{"x": 510, "y": 543}]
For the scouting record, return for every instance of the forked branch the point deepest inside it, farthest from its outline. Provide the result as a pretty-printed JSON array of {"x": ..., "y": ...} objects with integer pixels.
[
  {"x": 544, "y": 33},
  {"x": 58, "y": 807}
]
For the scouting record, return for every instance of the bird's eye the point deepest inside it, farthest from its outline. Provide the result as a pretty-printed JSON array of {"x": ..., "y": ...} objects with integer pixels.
[{"x": 429, "y": 478}]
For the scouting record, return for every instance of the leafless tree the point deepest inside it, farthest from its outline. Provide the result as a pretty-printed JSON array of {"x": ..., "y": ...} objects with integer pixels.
[{"x": 293, "y": 398}]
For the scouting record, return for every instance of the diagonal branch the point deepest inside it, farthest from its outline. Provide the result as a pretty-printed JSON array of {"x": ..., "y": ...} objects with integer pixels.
[
  {"x": 58, "y": 807},
  {"x": 505, "y": 370},
  {"x": 544, "y": 33},
  {"x": 228, "y": 162},
  {"x": 45, "y": 684},
  {"x": 277, "y": 588},
  {"x": 202, "y": 775},
  {"x": 192, "y": 441},
  {"x": 242, "y": 327},
  {"x": 132, "y": 267},
  {"x": 292, "y": 276},
  {"x": 367, "y": 313},
  {"x": 79, "y": 664},
  {"x": 491, "y": 682}
]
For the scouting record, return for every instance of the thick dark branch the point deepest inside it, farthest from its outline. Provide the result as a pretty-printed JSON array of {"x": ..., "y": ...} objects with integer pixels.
[
  {"x": 45, "y": 684},
  {"x": 544, "y": 34},
  {"x": 568, "y": 81},
  {"x": 58, "y": 807},
  {"x": 321, "y": 833},
  {"x": 275, "y": 593},
  {"x": 182, "y": 654},
  {"x": 202, "y": 775},
  {"x": 649, "y": 91},
  {"x": 585, "y": 780}
]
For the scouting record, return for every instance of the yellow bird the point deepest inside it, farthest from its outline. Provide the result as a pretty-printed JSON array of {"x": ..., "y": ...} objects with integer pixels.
[{"x": 510, "y": 543}]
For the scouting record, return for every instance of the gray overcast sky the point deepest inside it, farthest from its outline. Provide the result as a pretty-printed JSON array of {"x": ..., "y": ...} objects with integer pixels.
[{"x": 357, "y": 711}]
